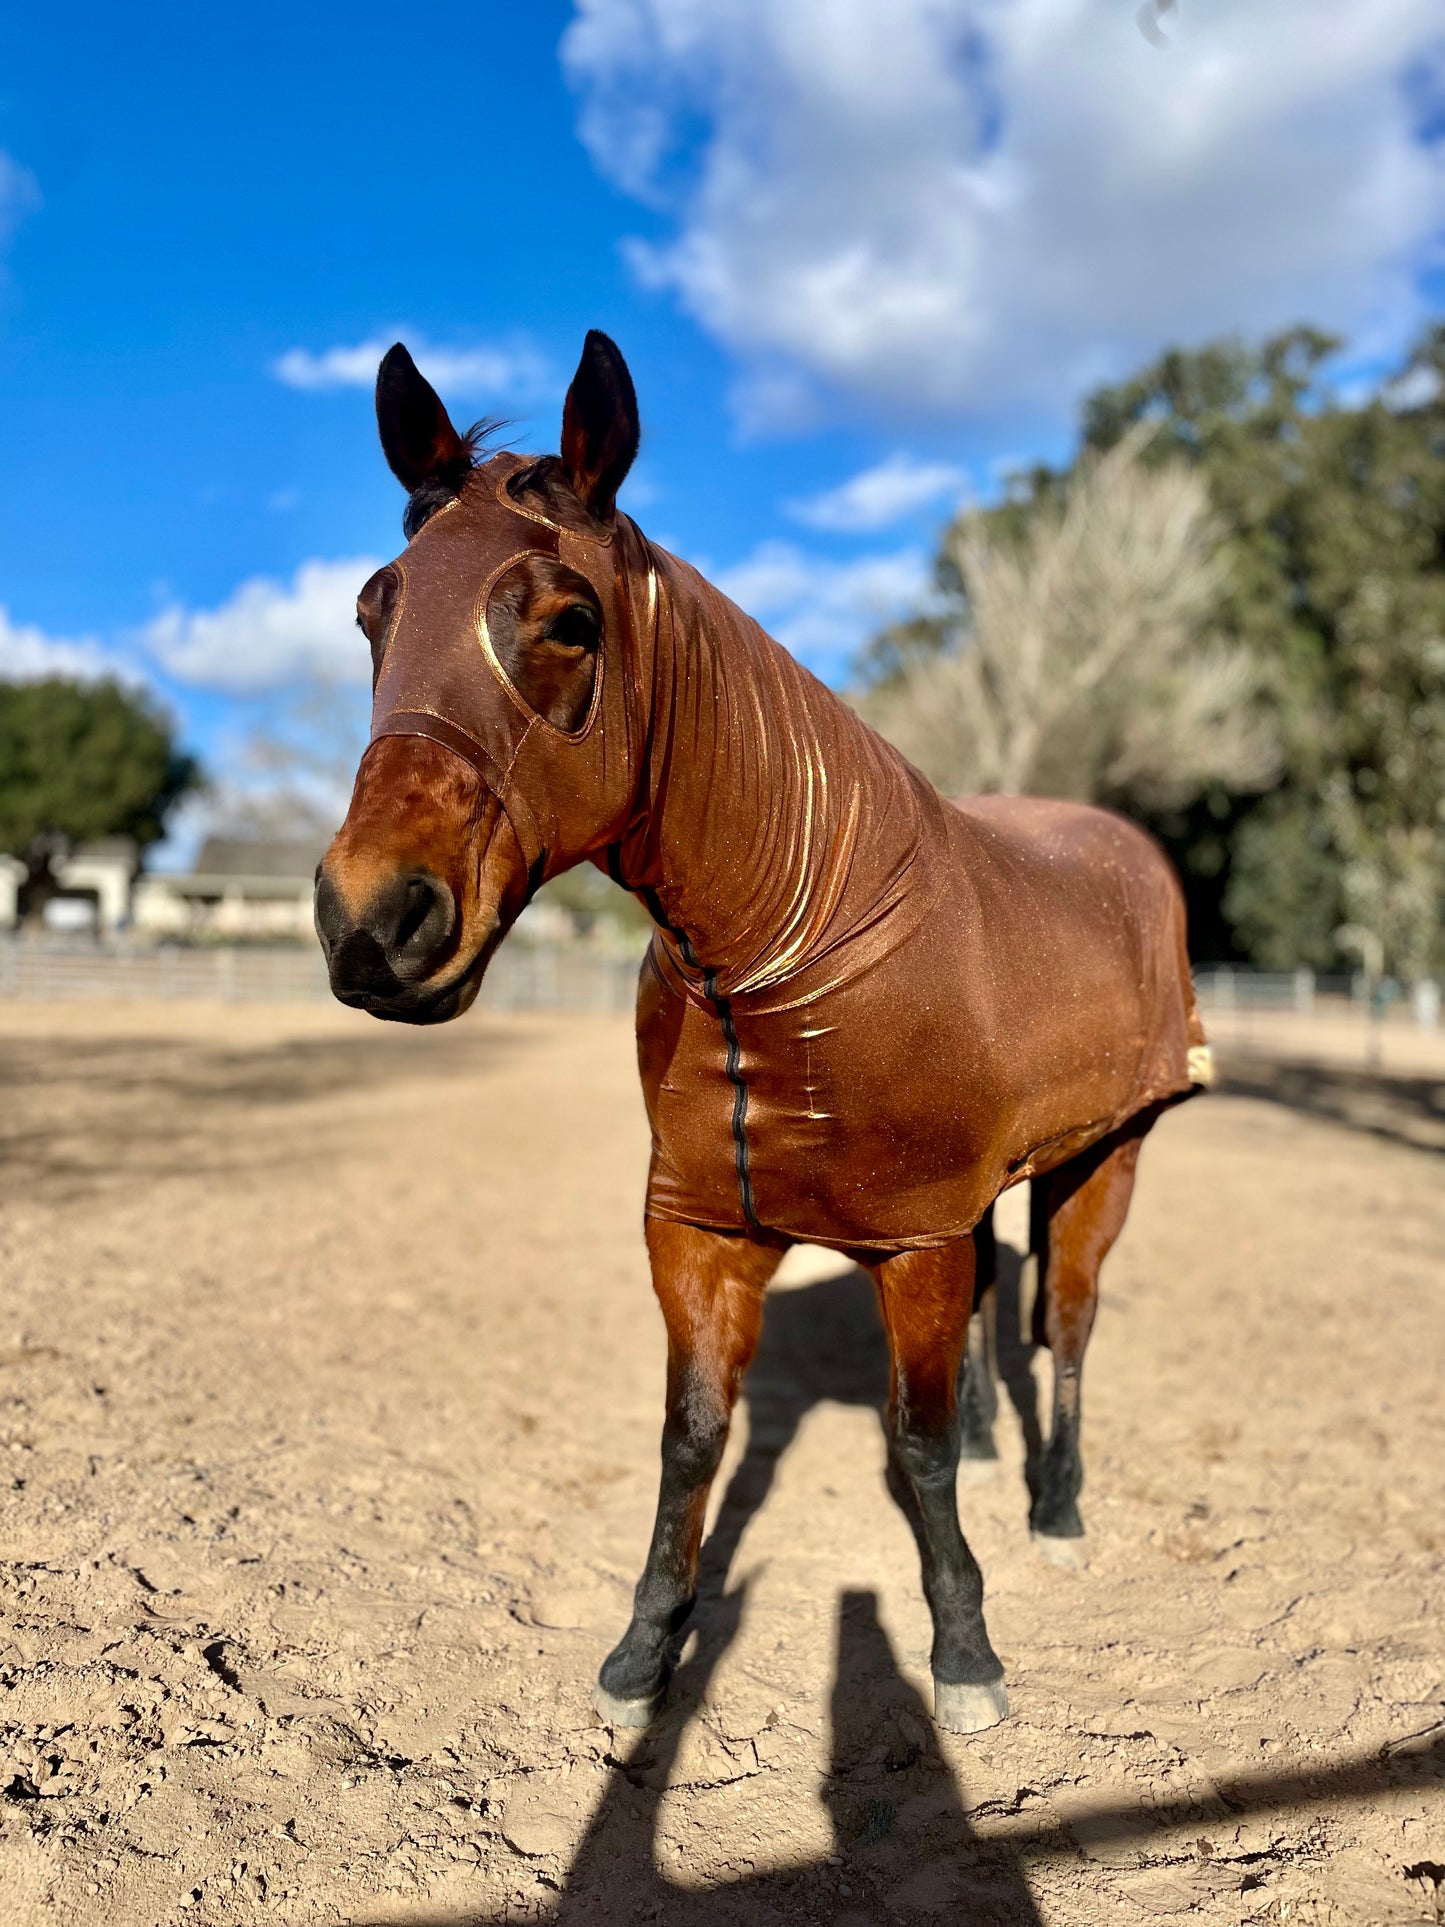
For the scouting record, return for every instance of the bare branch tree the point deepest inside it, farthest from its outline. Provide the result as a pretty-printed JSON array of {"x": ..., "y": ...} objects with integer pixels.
[
  {"x": 1078, "y": 661},
  {"x": 293, "y": 774}
]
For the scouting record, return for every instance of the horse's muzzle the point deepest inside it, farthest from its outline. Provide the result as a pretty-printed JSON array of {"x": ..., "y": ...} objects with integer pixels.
[{"x": 384, "y": 958}]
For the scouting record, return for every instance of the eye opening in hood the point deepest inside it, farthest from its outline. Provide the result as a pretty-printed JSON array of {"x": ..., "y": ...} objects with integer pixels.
[{"x": 533, "y": 625}]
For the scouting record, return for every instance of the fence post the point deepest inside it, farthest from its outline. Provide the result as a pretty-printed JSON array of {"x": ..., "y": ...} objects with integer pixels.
[{"x": 1304, "y": 992}]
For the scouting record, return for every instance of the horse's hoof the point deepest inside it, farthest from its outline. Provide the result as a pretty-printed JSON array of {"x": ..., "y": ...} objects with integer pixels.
[
  {"x": 976, "y": 1471},
  {"x": 1072, "y": 1554},
  {"x": 969, "y": 1709},
  {"x": 630, "y": 1713}
]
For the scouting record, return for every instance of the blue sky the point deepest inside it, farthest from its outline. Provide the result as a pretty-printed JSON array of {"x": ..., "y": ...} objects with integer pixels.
[{"x": 860, "y": 254}]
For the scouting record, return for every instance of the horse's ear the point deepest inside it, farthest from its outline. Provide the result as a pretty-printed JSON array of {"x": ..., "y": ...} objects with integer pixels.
[
  {"x": 600, "y": 429},
  {"x": 416, "y": 436}
]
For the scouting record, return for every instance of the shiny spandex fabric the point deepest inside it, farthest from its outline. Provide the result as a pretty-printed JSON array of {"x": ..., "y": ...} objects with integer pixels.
[{"x": 865, "y": 1011}]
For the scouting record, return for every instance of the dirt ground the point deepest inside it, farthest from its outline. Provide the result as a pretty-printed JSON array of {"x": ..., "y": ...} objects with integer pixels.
[{"x": 329, "y": 1429}]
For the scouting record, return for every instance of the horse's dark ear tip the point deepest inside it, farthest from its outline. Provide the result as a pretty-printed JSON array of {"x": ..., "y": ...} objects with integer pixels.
[{"x": 600, "y": 344}]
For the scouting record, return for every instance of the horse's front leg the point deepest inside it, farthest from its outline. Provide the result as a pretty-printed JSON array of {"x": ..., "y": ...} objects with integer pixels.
[
  {"x": 927, "y": 1300},
  {"x": 710, "y": 1286}
]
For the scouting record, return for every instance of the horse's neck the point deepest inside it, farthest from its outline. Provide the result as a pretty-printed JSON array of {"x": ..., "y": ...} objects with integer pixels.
[{"x": 758, "y": 786}]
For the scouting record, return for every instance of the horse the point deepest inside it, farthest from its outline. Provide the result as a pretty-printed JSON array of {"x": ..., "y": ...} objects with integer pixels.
[{"x": 864, "y": 1011}]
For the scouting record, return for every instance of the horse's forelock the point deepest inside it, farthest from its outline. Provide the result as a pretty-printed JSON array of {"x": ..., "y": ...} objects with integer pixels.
[{"x": 446, "y": 483}]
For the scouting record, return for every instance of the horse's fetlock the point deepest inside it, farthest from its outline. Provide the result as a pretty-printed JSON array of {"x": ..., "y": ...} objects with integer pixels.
[
  {"x": 1056, "y": 1516},
  {"x": 964, "y": 1656},
  {"x": 657, "y": 1608},
  {"x": 633, "y": 1673}
]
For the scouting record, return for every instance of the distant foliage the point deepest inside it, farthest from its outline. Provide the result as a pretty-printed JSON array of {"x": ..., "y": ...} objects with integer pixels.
[
  {"x": 1076, "y": 655},
  {"x": 1330, "y": 526},
  {"x": 80, "y": 761}
]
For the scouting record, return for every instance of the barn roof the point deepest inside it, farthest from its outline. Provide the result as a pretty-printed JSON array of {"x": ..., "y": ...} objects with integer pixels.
[{"x": 255, "y": 856}]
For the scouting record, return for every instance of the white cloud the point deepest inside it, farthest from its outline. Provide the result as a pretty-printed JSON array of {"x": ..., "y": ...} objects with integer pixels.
[
  {"x": 1417, "y": 388},
  {"x": 265, "y": 637},
  {"x": 28, "y": 653},
  {"x": 824, "y": 611},
  {"x": 968, "y": 204},
  {"x": 486, "y": 373},
  {"x": 267, "y": 634},
  {"x": 880, "y": 495},
  {"x": 19, "y": 193}
]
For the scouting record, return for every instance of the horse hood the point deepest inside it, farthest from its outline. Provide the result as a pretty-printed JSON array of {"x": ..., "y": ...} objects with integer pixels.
[{"x": 564, "y": 791}]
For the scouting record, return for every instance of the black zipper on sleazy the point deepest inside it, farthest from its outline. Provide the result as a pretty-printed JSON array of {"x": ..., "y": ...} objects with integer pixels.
[{"x": 742, "y": 1158}]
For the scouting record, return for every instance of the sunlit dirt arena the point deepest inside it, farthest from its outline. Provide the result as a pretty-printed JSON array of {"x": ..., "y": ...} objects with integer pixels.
[{"x": 330, "y": 1388}]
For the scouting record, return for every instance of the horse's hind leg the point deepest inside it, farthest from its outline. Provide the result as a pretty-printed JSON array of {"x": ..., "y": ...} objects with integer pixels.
[
  {"x": 977, "y": 1392},
  {"x": 1078, "y": 1212},
  {"x": 927, "y": 1300},
  {"x": 710, "y": 1287}
]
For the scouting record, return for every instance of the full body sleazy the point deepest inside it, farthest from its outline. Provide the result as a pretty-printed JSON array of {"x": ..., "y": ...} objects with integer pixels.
[{"x": 864, "y": 1010}]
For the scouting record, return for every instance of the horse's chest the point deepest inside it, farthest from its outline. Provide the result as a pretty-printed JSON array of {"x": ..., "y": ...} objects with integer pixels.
[{"x": 834, "y": 1120}]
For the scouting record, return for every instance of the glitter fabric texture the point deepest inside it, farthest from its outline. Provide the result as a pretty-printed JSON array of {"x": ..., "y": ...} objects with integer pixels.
[{"x": 865, "y": 1010}]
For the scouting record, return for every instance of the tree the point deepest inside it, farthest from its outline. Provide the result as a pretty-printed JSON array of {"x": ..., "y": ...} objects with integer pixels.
[
  {"x": 1332, "y": 516},
  {"x": 1337, "y": 520},
  {"x": 1071, "y": 653},
  {"x": 295, "y": 772},
  {"x": 80, "y": 761}
]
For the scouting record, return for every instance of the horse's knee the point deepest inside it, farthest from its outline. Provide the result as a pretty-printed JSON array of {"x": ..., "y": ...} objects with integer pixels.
[
  {"x": 694, "y": 1438},
  {"x": 928, "y": 1454}
]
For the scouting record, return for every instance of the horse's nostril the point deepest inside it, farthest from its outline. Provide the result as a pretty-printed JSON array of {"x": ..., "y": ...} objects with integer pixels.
[
  {"x": 425, "y": 913},
  {"x": 421, "y": 901}
]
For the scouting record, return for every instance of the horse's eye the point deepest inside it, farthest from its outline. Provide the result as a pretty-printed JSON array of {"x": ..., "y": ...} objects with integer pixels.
[
  {"x": 374, "y": 608},
  {"x": 576, "y": 628}
]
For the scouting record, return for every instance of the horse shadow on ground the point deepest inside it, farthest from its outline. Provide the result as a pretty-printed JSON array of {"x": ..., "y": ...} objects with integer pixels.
[
  {"x": 824, "y": 1343},
  {"x": 902, "y": 1841},
  {"x": 169, "y": 1069},
  {"x": 900, "y": 1826},
  {"x": 88, "y": 1111},
  {"x": 1383, "y": 1104}
]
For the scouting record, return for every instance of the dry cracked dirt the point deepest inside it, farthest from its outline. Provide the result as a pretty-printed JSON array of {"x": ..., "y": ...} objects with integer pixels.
[{"x": 329, "y": 1398}]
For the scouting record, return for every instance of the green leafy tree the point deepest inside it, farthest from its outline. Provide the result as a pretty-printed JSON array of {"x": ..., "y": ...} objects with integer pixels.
[{"x": 80, "y": 761}]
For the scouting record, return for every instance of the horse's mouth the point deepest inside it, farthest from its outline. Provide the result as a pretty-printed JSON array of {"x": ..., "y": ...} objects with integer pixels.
[{"x": 425, "y": 1004}]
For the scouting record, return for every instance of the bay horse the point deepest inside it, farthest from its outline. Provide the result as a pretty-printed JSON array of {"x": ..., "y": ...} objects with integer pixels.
[{"x": 863, "y": 1013}]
